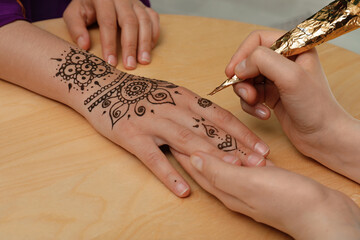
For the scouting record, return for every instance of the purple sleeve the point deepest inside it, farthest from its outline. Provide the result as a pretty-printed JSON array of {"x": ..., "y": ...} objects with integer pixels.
[
  {"x": 10, "y": 10},
  {"x": 146, "y": 2}
]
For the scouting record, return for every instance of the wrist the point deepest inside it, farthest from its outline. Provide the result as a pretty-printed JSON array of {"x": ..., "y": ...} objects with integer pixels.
[{"x": 334, "y": 217}]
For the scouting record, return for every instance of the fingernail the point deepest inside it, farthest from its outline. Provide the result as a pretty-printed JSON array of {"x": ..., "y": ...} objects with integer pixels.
[
  {"x": 112, "y": 60},
  {"x": 261, "y": 148},
  {"x": 81, "y": 42},
  {"x": 242, "y": 93},
  {"x": 260, "y": 113},
  {"x": 241, "y": 66},
  {"x": 230, "y": 159},
  {"x": 181, "y": 188},
  {"x": 145, "y": 57},
  {"x": 255, "y": 160},
  {"x": 197, "y": 162},
  {"x": 131, "y": 62}
]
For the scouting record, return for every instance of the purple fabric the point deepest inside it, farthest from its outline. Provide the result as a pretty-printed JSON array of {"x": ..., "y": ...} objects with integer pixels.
[{"x": 35, "y": 10}]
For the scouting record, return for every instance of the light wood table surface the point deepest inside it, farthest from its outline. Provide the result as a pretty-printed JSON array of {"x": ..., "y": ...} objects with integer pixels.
[{"x": 59, "y": 179}]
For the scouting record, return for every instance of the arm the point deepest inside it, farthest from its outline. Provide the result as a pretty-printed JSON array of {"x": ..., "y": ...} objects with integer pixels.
[
  {"x": 287, "y": 201},
  {"x": 301, "y": 98},
  {"x": 134, "y": 112}
]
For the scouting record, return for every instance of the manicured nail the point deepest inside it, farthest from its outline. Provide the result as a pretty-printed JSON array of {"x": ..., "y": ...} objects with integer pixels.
[
  {"x": 112, "y": 60},
  {"x": 230, "y": 159},
  {"x": 260, "y": 113},
  {"x": 242, "y": 93},
  {"x": 255, "y": 160},
  {"x": 81, "y": 42},
  {"x": 241, "y": 66},
  {"x": 197, "y": 162},
  {"x": 145, "y": 57},
  {"x": 131, "y": 62},
  {"x": 262, "y": 148},
  {"x": 181, "y": 188}
]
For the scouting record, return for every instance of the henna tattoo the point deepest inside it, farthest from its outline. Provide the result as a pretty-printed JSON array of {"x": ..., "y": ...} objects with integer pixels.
[
  {"x": 80, "y": 68},
  {"x": 129, "y": 91},
  {"x": 226, "y": 143},
  {"x": 203, "y": 102}
]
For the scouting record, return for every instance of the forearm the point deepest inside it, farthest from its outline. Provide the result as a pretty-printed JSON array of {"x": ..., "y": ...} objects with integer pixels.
[{"x": 36, "y": 60}]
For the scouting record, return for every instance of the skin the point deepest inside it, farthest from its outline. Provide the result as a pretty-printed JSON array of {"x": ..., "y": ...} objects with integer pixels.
[
  {"x": 267, "y": 194},
  {"x": 299, "y": 94},
  {"x": 295, "y": 90},
  {"x": 36, "y": 65},
  {"x": 139, "y": 27}
]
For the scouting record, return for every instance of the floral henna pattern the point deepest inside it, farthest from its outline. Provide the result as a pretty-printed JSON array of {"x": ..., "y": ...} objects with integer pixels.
[
  {"x": 203, "y": 102},
  {"x": 79, "y": 69},
  {"x": 129, "y": 93},
  {"x": 226, "y": 143}
]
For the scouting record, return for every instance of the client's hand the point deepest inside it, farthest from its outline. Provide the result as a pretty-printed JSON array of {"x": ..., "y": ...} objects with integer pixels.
[{"x": 141, "y": 114}]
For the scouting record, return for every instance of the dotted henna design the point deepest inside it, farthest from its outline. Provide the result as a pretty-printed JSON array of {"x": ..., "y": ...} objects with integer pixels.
[
  {"x": 130, "y": 92},
  {"x": 226, "y": 143},
  {"x": 79, "y": 69}
]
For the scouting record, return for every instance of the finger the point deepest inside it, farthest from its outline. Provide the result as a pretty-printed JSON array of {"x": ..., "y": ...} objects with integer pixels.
[
  {"x": 106, "y": 17},
  {"x": 149, "y": 153},
  {"x": 230, "y": 179},
  {"x": 145, "y": 35},
  {"x": 285, "y": 74},
  {"x": 185, "y": 140},
  {"x": 255, "y": 39},
  {"x": 234, "y": 148},
  {"x": 77, "y": 21},
  {"x": 230, "y": 201},
  {"x": 129, "y": 33},
  {"x": 230, "y": 124},
  {"x": 154, "y": 16},
  {"x": 246, "y": 91},
  {"x": 258, "y": 110}
]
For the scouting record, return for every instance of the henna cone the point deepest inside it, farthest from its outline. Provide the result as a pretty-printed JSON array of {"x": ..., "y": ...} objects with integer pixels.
[{"x": 332, "y": 21}]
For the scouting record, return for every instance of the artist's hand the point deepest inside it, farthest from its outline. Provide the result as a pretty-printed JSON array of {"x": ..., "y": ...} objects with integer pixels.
[
  {"x": 297, "y": 90},
  {"x": 139, "y": 28},
  {"x": 141, "y": 114},
  {"x": 287, "y": 201}
]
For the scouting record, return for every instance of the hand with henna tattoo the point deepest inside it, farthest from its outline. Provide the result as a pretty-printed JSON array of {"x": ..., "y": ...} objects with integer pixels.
[{"x": 137, "y": 113}]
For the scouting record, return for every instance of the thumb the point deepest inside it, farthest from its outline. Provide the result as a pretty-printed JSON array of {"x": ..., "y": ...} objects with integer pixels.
[{"x": 285, "y": 74}]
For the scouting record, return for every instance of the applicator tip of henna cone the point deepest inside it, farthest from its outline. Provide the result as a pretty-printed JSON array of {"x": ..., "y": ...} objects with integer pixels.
[{"x": 228, "y": 82}]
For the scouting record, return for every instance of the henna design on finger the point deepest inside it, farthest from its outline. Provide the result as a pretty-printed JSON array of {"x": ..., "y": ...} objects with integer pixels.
[
  {"x": 226, "y": 143},
  {"x": 130, "y": 92},
  {"x": 79, "y": 68},
  {"x": 204, "y": 103}
]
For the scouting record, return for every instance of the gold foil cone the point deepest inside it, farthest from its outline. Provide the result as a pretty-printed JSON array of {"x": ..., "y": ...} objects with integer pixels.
[{"x": 332, "y": 21}]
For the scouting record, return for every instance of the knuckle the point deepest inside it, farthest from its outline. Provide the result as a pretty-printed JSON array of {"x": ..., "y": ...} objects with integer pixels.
[
  {"x": 185, "y": 135},
  {"x": 153, "y": 159},
  {"x": 214, "y": 177},
  {"x": 131, "y": 22},
  {"x": 224, "y": 116},
  {"x": 154, "y": 14},
  {"x": 258, "y": 52},
  {"x": 108, "y": 23},
  {"x": 130, "y": 45},
  {"x": 248, "y": 137}
]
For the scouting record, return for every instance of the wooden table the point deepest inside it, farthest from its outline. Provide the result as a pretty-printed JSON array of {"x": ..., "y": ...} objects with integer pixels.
[{"x": 59, "y": 179}]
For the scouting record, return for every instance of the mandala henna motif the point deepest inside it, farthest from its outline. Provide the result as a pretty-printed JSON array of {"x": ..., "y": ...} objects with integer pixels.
[
  {"x": 80, "y": 68},
  {"x": 226, "y": 143},
  {"x": 130, "y": 92},
  {"x": 203, "y": 102}
]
